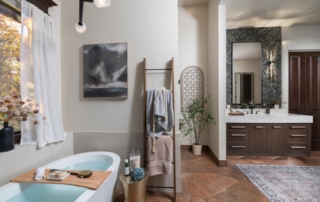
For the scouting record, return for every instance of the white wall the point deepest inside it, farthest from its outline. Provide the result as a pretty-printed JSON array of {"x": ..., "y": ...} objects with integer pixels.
[
  {"x": 301, "y": 33},
  {"x": 151, "y": 30},
  {"x": 296, "y": 38},
  {"x": 217, "y": 76},
  {"x": 193, "y": 48},
  {"x": 250, "y": 66}
]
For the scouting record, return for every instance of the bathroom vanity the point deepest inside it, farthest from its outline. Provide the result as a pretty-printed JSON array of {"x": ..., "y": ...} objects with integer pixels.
[{"x": 269, "y": 135}]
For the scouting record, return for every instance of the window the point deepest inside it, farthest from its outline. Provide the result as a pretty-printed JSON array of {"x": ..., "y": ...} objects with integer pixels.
[{"x": 10, "y": 50}]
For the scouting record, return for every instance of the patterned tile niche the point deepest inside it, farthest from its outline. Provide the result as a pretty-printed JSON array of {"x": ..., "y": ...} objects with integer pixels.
[{"x": 271, "y": 42}]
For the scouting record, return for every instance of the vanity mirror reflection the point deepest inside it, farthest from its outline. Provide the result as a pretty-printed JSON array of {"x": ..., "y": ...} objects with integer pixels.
[{"x": 246, "y": 73}]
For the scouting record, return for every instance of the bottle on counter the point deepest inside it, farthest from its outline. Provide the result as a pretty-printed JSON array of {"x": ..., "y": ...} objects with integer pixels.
[{"x": 126, "y": 167}]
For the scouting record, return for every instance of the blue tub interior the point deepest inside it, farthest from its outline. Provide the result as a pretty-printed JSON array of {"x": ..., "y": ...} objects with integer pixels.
[{"x": 58, "y": 193}]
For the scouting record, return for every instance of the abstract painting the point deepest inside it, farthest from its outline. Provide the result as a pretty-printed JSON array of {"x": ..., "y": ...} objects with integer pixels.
[{"x": 105, "y": 70}]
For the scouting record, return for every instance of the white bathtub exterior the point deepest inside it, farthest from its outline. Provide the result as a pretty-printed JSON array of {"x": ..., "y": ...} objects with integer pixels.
[{"x": 103, "y": 194}]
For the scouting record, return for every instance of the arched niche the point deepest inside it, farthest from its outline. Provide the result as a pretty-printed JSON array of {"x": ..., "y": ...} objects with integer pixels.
[{"x": 191, "y": 85}]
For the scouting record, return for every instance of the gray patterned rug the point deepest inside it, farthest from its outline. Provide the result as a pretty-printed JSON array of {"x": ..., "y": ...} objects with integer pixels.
[{"x": 285, "y": 183}]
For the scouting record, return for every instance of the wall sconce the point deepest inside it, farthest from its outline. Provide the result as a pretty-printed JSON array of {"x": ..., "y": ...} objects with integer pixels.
[
  {"x": 80, "y": 26},
  {"x": 271, "y": 68}
]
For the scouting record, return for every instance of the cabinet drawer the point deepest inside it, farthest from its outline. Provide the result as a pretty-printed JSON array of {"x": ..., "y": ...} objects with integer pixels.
[
  {"x": 237, "y": 148},
  {"x": 297, "y": 126},
  {"x": 297, "y": 149},
  {"x": 299, "y": 136},
  {"x": 237, "y": 136},
  {"x": 238, "y": 126}
]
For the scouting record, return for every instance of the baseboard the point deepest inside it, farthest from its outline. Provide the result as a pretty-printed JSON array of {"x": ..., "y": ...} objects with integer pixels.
[
  {"x": 219, "y": 163},
  {"x": 205, "y": 148}
]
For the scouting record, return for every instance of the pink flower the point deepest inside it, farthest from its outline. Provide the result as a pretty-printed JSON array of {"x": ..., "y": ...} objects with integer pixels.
[
  {"x": 35, "y": 122},
  {"x": 17, "y": 113},
  {"x": 44, "y": 117},
  {"x": 21, "y": 102},
  {"x": 24, "y": 119},
  {"x": 1, "y": 102},
  {"x": 30, "y": 104},
  {"x": 37, "y": 105},
  {"x": 3, "y": 109},
  {"x": 10, "y": 106},
  {"x": 35, "y": 111},
  {"x": 8, "y": 97},
  {"x": 28, "y": 100},
  {"x": 15, "y": 96}
]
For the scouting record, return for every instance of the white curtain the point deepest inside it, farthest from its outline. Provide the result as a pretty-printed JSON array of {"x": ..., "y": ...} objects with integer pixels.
[{"x": 38, "y": 77}]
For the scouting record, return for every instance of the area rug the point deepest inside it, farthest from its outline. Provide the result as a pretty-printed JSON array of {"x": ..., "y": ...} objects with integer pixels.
[{"x": 285, "y": 183}]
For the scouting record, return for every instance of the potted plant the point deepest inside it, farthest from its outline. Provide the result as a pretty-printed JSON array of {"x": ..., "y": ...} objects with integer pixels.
[
  {"x": 276, "y": 103},
  {"x": 244, "y": 106},
  {"x": 194, "y": 121}
]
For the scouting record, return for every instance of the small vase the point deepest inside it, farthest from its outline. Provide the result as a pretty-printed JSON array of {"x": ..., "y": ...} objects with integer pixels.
[
  {"x": 6, "y": 138},
  {"x": 196, "y": 149}
]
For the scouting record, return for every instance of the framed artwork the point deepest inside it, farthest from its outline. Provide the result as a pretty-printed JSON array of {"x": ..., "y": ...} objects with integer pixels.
[{"x": 105, "y": 70}]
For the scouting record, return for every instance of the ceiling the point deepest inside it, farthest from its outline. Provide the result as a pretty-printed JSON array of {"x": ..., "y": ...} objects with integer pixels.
[
  {"x": 249, "y": 51},
  {"x": 184, "y": 3},
  {"x": 270, "y": 13}
]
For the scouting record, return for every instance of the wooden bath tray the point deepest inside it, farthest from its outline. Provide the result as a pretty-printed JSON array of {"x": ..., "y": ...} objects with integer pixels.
[{"x": 93, "y": 182}]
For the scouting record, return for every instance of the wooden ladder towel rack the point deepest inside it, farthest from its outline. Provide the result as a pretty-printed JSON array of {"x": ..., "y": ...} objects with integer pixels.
[{"x": 145, "y": 136}]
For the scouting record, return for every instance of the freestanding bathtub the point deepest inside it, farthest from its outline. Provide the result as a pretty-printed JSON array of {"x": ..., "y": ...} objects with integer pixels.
[{"x": 35, "y": 192}]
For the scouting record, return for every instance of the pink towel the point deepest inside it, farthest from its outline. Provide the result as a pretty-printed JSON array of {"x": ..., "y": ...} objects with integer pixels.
[{"x": 160, "y": 162}]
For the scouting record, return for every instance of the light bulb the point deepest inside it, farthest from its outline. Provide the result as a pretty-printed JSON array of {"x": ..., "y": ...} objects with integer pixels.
[
  {"x": 81, "y": 27},
  {"x": 102, "y": 3}
]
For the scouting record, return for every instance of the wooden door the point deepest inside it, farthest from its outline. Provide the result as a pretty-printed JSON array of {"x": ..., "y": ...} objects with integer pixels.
[
  {"x": 275, "y": 139},
  {"x": 258, "y": 138},
  {"x": 312, "y": 99},
  {"x": 304, "y": 89},
  {"x": 296, "y": 82}
]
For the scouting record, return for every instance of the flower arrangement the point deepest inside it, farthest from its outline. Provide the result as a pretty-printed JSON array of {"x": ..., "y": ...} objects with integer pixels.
[
  {"x": 137, "y": 174},
  {"x": 13, "y": 110}
]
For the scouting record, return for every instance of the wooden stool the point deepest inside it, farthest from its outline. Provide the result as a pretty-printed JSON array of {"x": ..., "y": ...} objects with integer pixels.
[{"x": 134, "y": 191}]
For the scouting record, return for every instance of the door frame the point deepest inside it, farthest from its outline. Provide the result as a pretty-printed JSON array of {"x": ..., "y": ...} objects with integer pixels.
[{"x": 293, "y": 46}]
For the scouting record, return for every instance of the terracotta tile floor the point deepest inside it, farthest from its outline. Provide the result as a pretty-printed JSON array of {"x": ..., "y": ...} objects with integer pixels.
[{"x": 203, "y": 181}]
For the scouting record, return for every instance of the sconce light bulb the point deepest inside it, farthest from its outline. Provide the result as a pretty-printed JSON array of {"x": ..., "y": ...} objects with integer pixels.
[
  {"x": 81, "y": 27},
  {"x": 102, "y": 3}
]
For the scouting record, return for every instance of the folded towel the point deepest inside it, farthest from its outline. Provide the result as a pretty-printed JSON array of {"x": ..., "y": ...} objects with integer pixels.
[
  {"x": 159, "y": 112},
  {"x": 161, "y": 161},
  {"x": 40, "y": 173}
]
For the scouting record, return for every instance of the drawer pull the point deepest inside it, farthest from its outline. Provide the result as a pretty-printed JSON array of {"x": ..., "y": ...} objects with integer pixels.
[
  {"x": 297, "y": 127},
  {"x": 238, "y": 135},
  {"x": 259, "y": 127},
  {"x": 297, "y": 147},
  {"x": 297, "y": 135},
  {"x": 276, "y": 127},
  {"x": 238, "y": 127},
  {"x": 238, "y": 146}
]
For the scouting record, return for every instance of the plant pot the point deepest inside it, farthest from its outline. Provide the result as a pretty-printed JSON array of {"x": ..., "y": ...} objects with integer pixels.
[
  {"x": 196, "y": 149},
  {"x": 6, "y": 138}
]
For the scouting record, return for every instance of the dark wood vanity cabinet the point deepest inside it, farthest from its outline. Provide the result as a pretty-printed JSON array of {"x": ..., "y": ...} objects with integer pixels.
[{"x": 271, "y": 139}]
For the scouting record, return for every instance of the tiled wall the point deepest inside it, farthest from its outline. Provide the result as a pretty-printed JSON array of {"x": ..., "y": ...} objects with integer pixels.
[
  {"x": 122, "y": 144},
  {"x": 271, "y": 42},
  {"x": 24, "y": 158}
]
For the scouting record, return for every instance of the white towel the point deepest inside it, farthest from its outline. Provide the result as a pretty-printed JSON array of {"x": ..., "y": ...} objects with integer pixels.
[{"x": 40, "y": 173}]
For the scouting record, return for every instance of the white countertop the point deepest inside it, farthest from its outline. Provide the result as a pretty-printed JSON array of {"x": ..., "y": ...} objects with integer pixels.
[{"x": 270, "y": 118}]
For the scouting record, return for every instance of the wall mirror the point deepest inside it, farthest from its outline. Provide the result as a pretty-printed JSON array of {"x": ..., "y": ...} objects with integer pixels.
[{"x": 246, "y": 73}]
